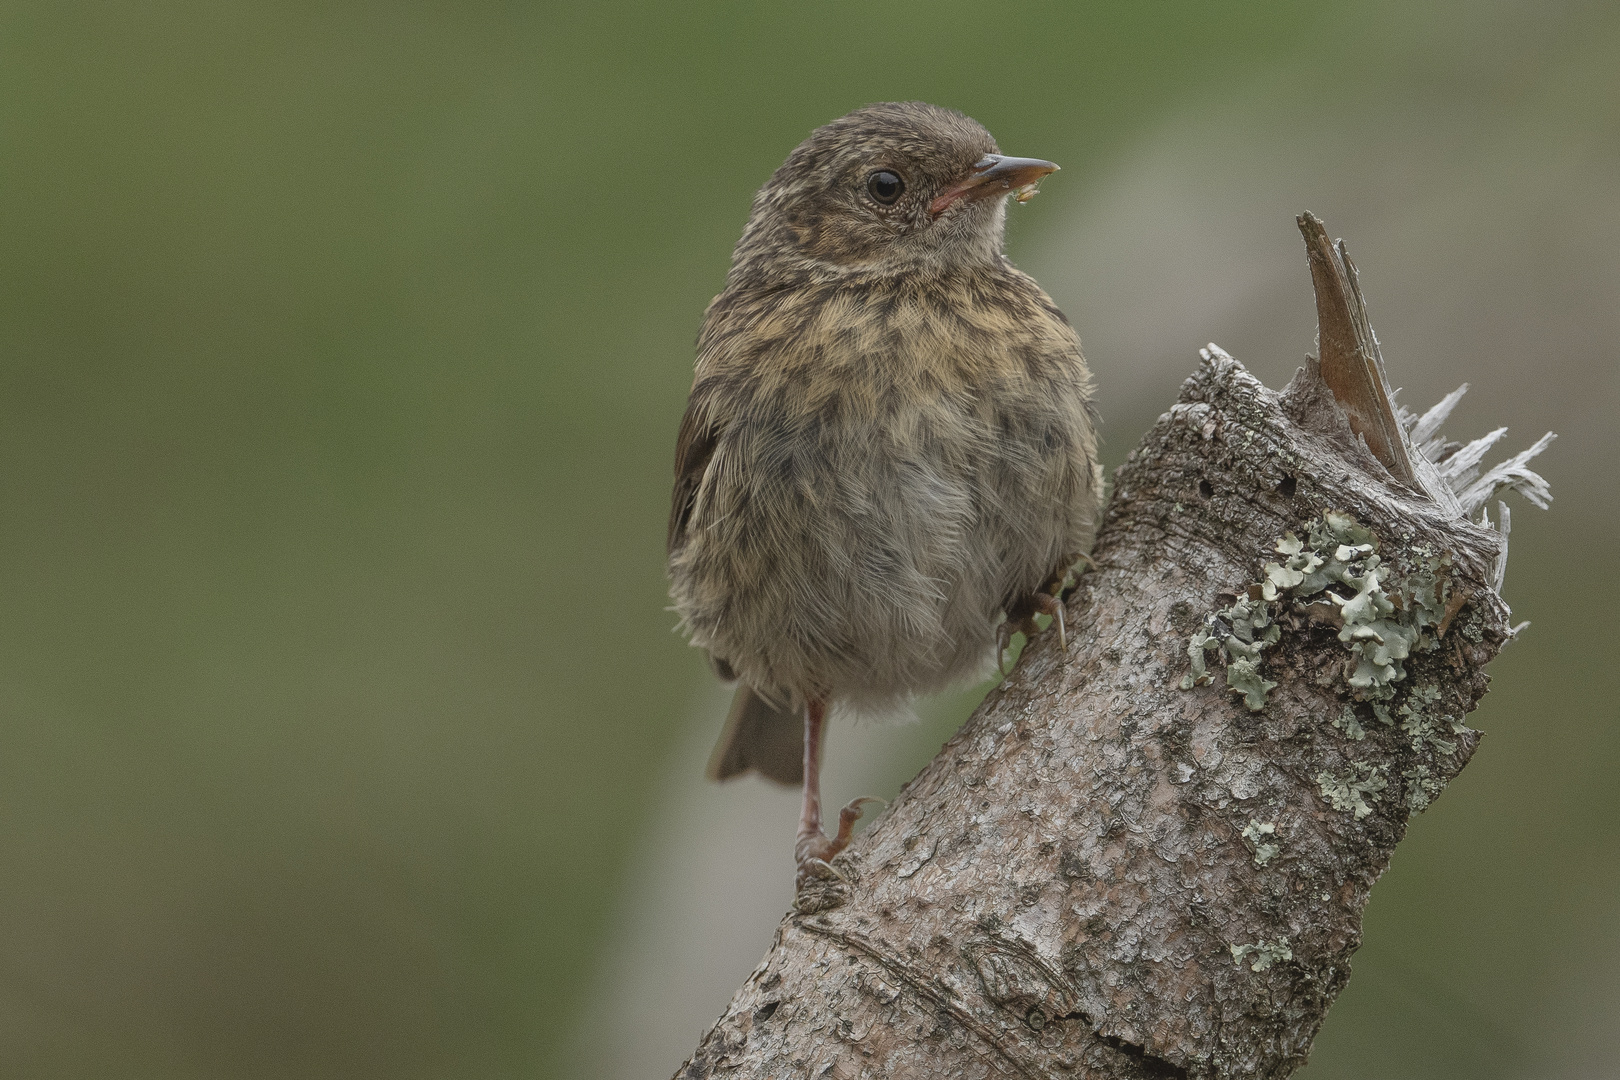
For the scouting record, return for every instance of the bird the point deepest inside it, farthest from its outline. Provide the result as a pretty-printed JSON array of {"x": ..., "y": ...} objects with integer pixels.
[{"x": 888, "y": 460}]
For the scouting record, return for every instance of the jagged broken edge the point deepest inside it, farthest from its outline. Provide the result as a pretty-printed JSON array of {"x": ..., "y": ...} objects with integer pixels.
[
  {"x": 1410, "y": 447},
  {"x": 1348, "y": 352},
  {"x": 1457, "y": 464}
]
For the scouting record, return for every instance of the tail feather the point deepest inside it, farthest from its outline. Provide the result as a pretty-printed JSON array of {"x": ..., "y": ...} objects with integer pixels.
[{"x": 760, "y": 736}]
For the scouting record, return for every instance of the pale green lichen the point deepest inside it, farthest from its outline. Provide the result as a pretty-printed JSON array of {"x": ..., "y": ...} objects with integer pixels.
[
  {"x": 1291, "y": 572},
  {"x": 1381, "y": 626},
  {"x": 1199, "y": 675},
  {"x": 1346, "y": 721},
  {"x": 1265, "y": 954},
  {"x": 1240, "y": 633},
  {"x": 1382, "y": 619},
  {"x": 1421, "y": 788},
  {"x": 1337, "y": 576},
  {"x": 1256, "y": 834},
  {"x": 1361, "y": 782},
  {"x": 1422, "y": 719}
]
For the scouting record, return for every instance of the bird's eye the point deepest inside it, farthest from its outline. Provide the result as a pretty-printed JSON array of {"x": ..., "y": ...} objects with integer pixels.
[{"x": 885, "y": 186}]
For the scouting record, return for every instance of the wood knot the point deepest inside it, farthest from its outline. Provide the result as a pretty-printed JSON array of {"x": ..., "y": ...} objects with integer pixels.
[{"x": 1017, "y": 980}]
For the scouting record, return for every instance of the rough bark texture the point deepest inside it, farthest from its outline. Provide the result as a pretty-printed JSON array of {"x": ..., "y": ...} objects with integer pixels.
[{"x": 1106, "y": 875}]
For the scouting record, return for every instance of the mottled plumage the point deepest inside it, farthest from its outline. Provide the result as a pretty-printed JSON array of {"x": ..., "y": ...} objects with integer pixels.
[{"x": 890, "y": 439}]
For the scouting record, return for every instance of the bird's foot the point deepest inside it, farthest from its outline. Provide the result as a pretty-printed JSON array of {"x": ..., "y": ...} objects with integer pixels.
[
  {"x": 814, "y": 850},
  {"x": 1021, "y": 620}
]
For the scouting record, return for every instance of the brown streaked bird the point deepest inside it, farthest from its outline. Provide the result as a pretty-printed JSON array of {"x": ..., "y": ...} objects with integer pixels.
[{"x": 888, "y": 461}]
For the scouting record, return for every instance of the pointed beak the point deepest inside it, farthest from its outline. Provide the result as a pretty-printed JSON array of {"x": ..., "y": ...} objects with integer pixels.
[{"x": 994, "y": 175}]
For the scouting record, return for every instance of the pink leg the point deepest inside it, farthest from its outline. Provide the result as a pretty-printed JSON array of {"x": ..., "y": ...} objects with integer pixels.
[{"x": 813, "y": 844}]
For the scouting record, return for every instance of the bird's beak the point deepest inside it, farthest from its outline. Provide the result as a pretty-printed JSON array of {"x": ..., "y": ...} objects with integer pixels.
[{"x": 994, "y": 175}]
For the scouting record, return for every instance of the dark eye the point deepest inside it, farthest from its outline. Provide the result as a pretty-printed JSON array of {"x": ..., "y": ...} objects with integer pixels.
[{"x": 885, "y": 186}]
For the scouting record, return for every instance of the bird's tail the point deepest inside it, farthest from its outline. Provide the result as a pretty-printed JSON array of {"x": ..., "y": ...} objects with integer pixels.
[{"x": 762, "y": 736}]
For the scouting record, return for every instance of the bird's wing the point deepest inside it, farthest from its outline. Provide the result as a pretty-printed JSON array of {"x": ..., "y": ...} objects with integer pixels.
[{"x": 694, "y": 448}]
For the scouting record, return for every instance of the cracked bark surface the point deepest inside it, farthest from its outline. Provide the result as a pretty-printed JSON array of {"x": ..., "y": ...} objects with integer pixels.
[{"x": 1083, "y": 882}]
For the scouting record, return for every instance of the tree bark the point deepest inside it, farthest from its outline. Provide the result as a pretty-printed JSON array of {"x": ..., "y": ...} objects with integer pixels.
[{"x": 1129, "y": 863}]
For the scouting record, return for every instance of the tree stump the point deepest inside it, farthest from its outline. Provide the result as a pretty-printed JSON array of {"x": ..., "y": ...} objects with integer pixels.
[{"x": 1149, "y": 857}]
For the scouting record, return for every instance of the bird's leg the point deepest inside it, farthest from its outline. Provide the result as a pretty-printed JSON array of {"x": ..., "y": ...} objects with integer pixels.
[{"x": 814, "y": 850}]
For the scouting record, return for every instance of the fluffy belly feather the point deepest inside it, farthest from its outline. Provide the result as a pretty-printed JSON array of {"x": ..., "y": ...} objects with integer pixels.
[{"x": 867, "y": 558}]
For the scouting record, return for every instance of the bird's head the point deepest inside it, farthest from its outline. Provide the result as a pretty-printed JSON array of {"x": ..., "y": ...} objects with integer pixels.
[{"x": 891, "y": 187}]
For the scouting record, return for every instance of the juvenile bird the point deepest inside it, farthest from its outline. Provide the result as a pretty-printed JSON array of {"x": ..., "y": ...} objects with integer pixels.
[{"x": 888, "y": 461}]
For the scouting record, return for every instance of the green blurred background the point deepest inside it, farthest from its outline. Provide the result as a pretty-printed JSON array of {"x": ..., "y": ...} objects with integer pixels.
[{"x": 342, "y": 348}]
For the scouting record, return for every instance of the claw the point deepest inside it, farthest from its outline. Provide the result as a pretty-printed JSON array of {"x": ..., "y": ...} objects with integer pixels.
[
  {"x": 1047, "y": 604},
  {"x": 812, "y": 868},
  {"x": 847, "y": 817}
]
